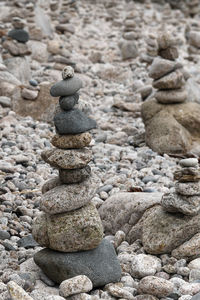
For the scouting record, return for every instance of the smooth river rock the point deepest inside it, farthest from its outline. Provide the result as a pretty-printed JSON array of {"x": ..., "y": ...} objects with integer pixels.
[
  {"x": 68, "y": 102},
  {"x": 77, "y": 230},
  {"x": 66, "y": 87},
  {"x": 73, "y": 122},
  {"x": 100, "y": 264},
  {"x": 74, "y": 176}
]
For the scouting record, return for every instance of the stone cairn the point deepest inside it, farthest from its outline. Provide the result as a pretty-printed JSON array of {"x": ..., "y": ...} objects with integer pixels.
[
  {"x": 167, "y": 73},
  {"x": 151, "y": 49},
  {"x": 69, "y": 225},
  {"x": 186, "y": 198},
  {"x": 192, "y": 35}
]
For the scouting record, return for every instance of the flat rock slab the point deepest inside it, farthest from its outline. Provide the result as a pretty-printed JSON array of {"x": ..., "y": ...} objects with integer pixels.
[
  {"x": 171, "y": 96},
  {"x": 161, "y": 67},
  {"x": 163, "y": 232},
  {"x": 188, "y": 250},
  {"x": 67, "y": 159},
  {"x": 77, "y": 230},
  {"x": 71, "y": 141},
  {"x": 73, "y": 122},
  {"x": 174, "y": 80},
  {"x": 68, "y": 197},
  {"x": 100, "y": 264},
  {"x": 123, "y": 210},
  {"x": 66, "y": 87}
]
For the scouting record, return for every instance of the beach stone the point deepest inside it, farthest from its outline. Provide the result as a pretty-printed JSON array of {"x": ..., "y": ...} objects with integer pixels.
[
  {"x": 19, "y": 35},
  {"x": 75, "y": 285},
  {"x": 188, "y": 250},
  {"x": 129, "y": 49},
  {"x": 117, "y": 291},
  {"x": 18, "y": 23},
  {"x": 5, "y": 101},
  {"x": 161, "y": 67},
  {"x": 144, "y": 265},
  {"x": 73, "y": 122},
  {"x": 196, "y": 297},
  {"x": 194, "y": 38},
  {"x": 16, "y": 292},
  {"x": 165, "y": 40},
  {"x": 71, "y": 140},
  {"x": 187, "y": 175},
  {"x": 187, "y": 205},
  {"x": 194, "y": 264},
  {"x": 67, "y": 72},
  {"x": 146, "y": 297},
  {"x": 188, "y": 189},
  {"x": 170, "y": 53},
  {"x": 68, "y": 197},
  {"x": 68, "y": 102},
  {"x": 155, "y": 286},
  {"x": 74, "y": 176},
  {"x": 50, "y": 184},
  {"x": 174, "y": 80},
  {"x": 100, "y": 264},
  {"x": 66, "y": 87},
  {"x": 165, "y": 232},
  {"x": 67, "y": 159},
  {"x": 171, "y": 96},
  {"x": 126, "y": 209},
  {"x": 72, "y": 231},
  {"x": 189, "y": 162},
  {"x": 29, "y": 94}
]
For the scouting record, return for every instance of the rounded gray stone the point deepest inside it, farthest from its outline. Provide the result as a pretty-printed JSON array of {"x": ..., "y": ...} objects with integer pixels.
[
  {"x": 68, "y": 102},
  {"x": 68, "y": 197},
  {"x": 74, "y": 176},
  {"x": 73, "y": 122},
  {"x": 189, "y": 162},
  {"x": 100, "y": 264},
  {"x": 66, "y": 87},
  {"x": 188, "y": 188}
]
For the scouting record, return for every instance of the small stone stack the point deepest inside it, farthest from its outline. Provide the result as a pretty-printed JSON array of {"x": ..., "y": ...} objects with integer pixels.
[
  {"x": 15, "y": 43},
  {"x": 131, "y": 29},
  {"x": 186, "y": 198},
  {"x": 70, "y": 223},
  {"x": 192, "y": 35},
  {"x": 151, "y": 49},
  {"x": 167, "y": 73}
]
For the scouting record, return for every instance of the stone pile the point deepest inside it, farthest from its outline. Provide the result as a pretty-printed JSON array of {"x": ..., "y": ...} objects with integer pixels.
[
  {"x": 15, "y": 42},
  {"x": 151, "y": 49},
  {"x": 186, "y": 198},
  {"x": 193, "y": 38},
  {"x": 167, "y": 115},
  {"x": 69, "y": 225}
]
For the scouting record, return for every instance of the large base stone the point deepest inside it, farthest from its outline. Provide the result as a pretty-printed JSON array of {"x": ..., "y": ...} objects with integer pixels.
[{"x": 100, "y": 264}]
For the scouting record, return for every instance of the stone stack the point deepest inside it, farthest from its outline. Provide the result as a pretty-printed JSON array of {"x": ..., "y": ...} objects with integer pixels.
[
  {"x": 186, "y": 198},
  {"x": 131, "y": 29},
  {"x": 193, "y": 7},
  {"x": 151, "y": 49},
  {"x": 167, "y": 73},
  {"x": 15, "y": 43},
  {"x": 69, "y": 222},
  {"x": 192, "y": 35}
]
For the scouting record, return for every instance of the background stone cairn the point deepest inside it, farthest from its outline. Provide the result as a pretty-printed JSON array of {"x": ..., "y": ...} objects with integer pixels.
[
  {"x": 192, "y": 35},
  {"x": 151, "y": 49},
  {"x": 69, "y": 222},
  {"x": 186, "y": 198},
  {"x": 167, "y": 73}
]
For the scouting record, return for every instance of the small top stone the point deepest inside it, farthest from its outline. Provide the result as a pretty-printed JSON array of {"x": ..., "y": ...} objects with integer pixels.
[
  {"x": 165, "y": 41},
  {"x": 18, "y": 23},
  {"x": 67, "y": 72},
  {"x": 189, "y": 162}
]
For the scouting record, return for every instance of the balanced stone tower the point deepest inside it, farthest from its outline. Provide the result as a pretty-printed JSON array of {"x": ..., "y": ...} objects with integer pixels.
[
  {"x": 69, "y": 225},
  {"x": 186, "y": 198}
]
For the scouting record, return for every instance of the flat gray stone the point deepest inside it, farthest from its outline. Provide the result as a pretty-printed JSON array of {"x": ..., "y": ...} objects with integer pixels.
[
  {"x": 77, "y": 230},
  {"x": 67, "y": 159},
  {"x": 171, "y": 96},
  {"x": 174, "y": 80},
  {"x": 66, "y": 87},
  {"x": 161, "y": 67},
  {"x": 68, "y": 102},
  {"x": 189, "y": 162},
  {"x": 68, "y": 197},
  {"x": 100, "y": 264},
  {"x": 74, "y": 176},
  {"x": 73, "y": 122},
  {"x": 188, "y": 188}
]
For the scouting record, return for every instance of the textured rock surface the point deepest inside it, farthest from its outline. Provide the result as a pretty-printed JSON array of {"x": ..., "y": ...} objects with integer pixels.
[
  {"x": 74, "y": 176},
  {"x": 16, "y": 292},
  {"x": 75, "y": 285},
  {"x": 173, "y": 80},
  {"x": 188, "y": 250},
  {"x": 71, "y": 141},
  {"x": 99, "y": 264},
  {"x": 66, "y": 87},
  {"x": 172, "y": 96},
  {"x": 161, "y": 67},
  {"x": 145, "y": 265},
  {"x": 73, "y": 122},
  {"x": 163, "y": 232},
  {"x": 123, "y": 210},
  {"x": 156, "y": 286},
  {"x": 68, "y": 102},
  {"x": 78, "y": 230},
  {"x": 67, "y": 159},
  {"x": 68, "y": 197}
]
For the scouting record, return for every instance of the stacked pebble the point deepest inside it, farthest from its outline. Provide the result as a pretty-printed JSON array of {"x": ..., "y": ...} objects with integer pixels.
[
  {"x": 131, "y": 31},
  {"x": 167, "y": 73},
  {"x": 69, "y": 221},
  {"x": 193, "y": 37},
  {"x": 18, "y": 33},
  {"x": 151, "y": 49},
  {"x": 186, "y": 198}
]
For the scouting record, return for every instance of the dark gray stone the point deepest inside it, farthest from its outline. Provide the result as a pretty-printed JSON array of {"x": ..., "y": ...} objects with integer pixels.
[
  {"x": 33, "y": 82},
  {"x": 73, "y": 122},
  {"x": 68, "y": 102},
  {"x": 27, "y": 242},
  {"x": 19, "y": 35},
  {"x": 4, "y": 235},
  {"x": 100, "y": 264},
  {"x": 74, "y": 176},
  {"x": 66, "y": 87}
]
